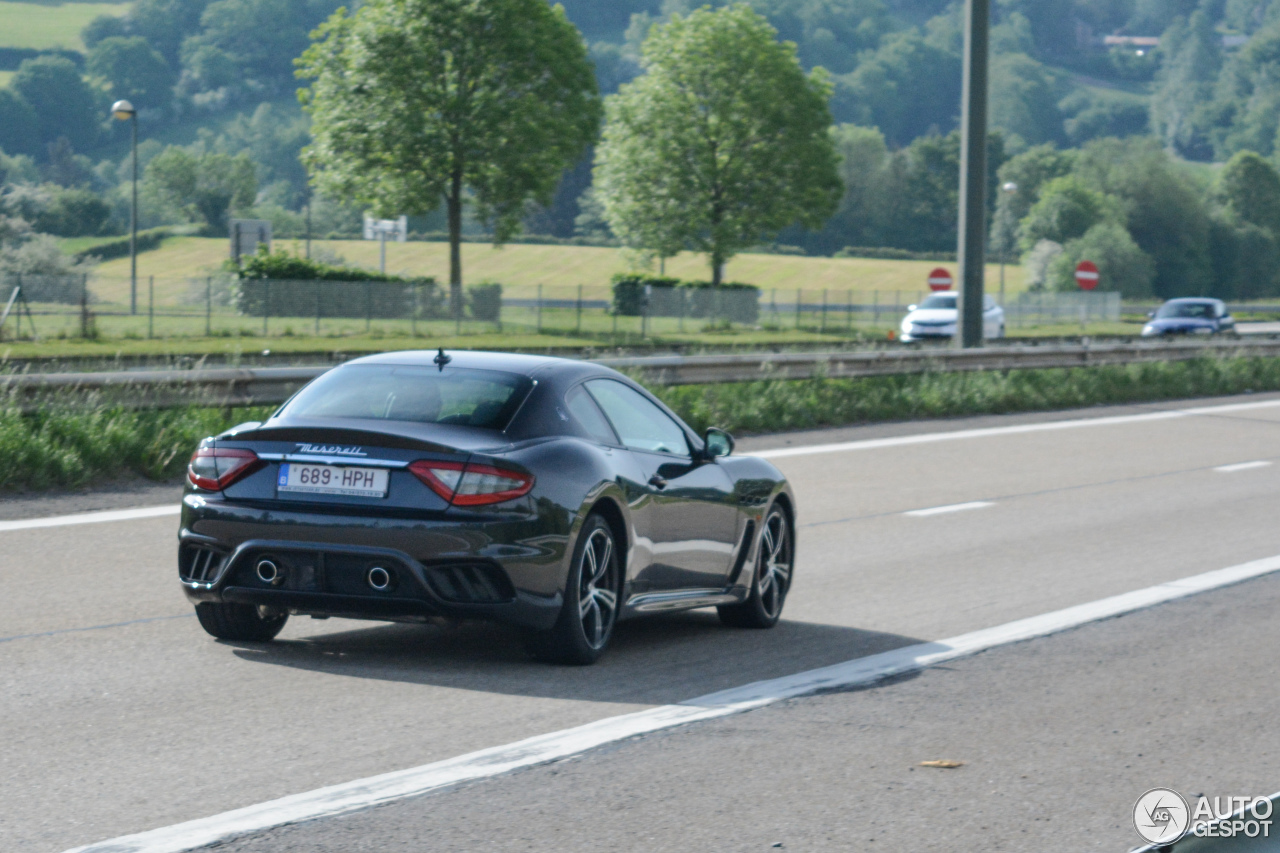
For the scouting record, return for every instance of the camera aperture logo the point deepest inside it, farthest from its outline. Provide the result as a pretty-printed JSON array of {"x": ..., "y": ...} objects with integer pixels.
[{"x": 1162, "y": 817}]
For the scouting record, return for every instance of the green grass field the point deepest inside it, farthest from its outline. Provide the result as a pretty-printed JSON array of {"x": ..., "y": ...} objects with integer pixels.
[
  {"x": 46, "y": 25},
  {"x": 559, "y": 269}
]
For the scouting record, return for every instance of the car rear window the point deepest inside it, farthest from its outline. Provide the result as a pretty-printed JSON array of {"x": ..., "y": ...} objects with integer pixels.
[{"x": 462, "y": 396}]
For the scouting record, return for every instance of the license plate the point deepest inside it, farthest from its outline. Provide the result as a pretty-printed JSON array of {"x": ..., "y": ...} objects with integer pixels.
[{"x": 333, "y": 480}]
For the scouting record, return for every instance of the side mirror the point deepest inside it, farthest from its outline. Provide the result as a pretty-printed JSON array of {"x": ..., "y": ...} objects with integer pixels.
[
  {"x": 718, "y": 442},
  {"x": 1151, "y": 315},
  {"x": 912, "y": 307}
]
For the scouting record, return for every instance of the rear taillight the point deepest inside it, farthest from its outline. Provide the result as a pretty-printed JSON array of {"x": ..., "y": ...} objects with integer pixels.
[
  {"x": 215, "y": 468},
  {"x": 472, "y": 484}
]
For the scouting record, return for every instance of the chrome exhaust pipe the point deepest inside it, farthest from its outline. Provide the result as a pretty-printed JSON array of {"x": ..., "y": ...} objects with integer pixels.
[
  {"x": 269, "y": 572},
  {"x": 379, "y": 578}
]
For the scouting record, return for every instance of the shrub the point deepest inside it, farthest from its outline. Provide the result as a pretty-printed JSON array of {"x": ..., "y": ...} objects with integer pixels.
[
  {"x": 485, "y": 301},
  {"x": 629, "y": 294}
]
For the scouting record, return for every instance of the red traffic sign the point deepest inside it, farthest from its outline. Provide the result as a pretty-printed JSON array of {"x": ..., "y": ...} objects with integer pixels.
[
  {"x": 1087, "y": 275},
  {"x": 940, "y": 279}
]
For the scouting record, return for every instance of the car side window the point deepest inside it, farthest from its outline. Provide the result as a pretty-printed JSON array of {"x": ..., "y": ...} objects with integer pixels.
[
  {"x": 639, "y": 423},
  {"x": 589, "y": 416}
]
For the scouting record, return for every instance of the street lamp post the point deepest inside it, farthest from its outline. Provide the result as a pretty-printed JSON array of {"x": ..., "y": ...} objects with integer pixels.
[
  {"x": 123, "y": 110},
  {"x": 1008, "y": 189}
]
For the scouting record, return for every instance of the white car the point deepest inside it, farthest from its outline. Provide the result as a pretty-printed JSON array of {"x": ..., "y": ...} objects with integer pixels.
[{"x": 935, "y": 319}]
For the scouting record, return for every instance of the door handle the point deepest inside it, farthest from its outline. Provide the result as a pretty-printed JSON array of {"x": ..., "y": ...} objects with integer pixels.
[{"x": 657, "y": 482}]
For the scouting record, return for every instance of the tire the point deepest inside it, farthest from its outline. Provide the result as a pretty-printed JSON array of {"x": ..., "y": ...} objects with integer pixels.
[
  {"x": 243, "y": 622},
  {"x": 590, "y": 611},
  {"x": 771, "y": 579}
]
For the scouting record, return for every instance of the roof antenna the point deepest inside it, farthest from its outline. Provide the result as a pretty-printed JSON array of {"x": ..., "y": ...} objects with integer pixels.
[{"x": 441, "y": 359}]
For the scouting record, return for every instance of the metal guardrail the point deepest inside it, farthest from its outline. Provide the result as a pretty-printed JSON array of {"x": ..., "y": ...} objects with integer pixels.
[{"x": 271, "y": 385}]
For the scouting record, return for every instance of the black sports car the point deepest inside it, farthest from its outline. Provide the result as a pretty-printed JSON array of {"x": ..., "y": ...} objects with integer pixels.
[{"x": 551, "y": 494}]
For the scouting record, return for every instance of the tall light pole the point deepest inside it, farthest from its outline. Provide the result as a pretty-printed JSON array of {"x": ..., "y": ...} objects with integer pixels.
[
  {"x": 123, "y": 110},
  {"x": 973, "y": 172},
  {"x": 1009, "y": 188}
]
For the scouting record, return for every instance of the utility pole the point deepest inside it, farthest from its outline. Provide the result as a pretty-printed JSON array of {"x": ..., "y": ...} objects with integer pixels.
[{"x": 971, "y": 250}]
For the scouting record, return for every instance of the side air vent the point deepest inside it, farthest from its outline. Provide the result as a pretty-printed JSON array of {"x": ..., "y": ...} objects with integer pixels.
[
  {"x": 197, "y": 564},
  {"x": 471, "y": 583}
]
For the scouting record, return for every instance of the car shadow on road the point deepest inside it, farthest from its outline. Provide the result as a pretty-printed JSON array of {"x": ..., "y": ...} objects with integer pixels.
[{"x": 658, "y": 660}]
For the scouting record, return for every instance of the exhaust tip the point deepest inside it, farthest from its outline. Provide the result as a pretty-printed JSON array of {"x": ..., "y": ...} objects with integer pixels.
[
  {"x": 269, "y": 572},
  {"x": 379, "y": 578}
]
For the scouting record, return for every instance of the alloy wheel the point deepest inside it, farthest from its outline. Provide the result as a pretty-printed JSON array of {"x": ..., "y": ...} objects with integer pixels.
[{"x": 597, "y": 589}]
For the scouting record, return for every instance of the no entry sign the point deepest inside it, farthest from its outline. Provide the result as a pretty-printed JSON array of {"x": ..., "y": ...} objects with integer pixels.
[
  {"x": 940, "y": 279},
  {"x": 1087, "y": 275}
]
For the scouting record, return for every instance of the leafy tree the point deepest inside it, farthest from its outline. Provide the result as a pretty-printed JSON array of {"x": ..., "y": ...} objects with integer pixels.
[
  {"x": 1093, "y": 114},
  {"x": 1122, "y": 266},
  {"x": 20, "y": 130},
  {"x": 103, "y": 27},
  {"x": 66, "y": 105},
  {"x": 75, "y": 212},
  {"x": 205, "y": 186},
  {"x": 1067, "y": 210},
  {"x": 1023, "y": 101},
  {"x": 1165, "y": 206},
  {"x": 417, "y": 99},
  {"x": 165, "y": 23},
  {"x": 132, "y": 69},
  {"x": 830, "y": 33},
  {"x": 907, "y": 87},
  {"x": 1192, "y": 55},
  {"x": 723, "y": 141},
  {"x": 1249, "y": 187},
  {"x": 257, "y": 38}
]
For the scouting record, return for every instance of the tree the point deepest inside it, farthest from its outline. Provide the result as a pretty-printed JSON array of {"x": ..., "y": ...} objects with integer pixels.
[
  {"x": 907, "y": 87},
  {"x": 1023, "y": 104},
  {"x": 413, "y": 100},
  {"x": 1249, "y": 187},
  {"x": 1192, "y": 55},
  {"x": 205, "y": 186},
  {"x": 19, "y": 132},
  {"x": 1165, "y": 206},
  {"x": 1121, "y": 264},
  {"x": 65, "y": 105},
  {"x": 721, "y": 143},
  {"x": 132, "y": 69},
  {"x": 1067, "y": 209}
]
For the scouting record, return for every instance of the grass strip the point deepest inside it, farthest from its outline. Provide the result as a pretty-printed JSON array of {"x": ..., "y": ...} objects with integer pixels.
[
  {"x": 779, "y": 405},
  {"x": 69, "y": 445}
]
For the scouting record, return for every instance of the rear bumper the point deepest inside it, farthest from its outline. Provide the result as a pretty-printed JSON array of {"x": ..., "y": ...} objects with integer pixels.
[{"x": 485, "y": 569}]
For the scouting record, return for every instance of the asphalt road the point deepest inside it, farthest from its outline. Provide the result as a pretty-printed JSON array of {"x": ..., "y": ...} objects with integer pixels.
[{"x": 118, "y": 714}]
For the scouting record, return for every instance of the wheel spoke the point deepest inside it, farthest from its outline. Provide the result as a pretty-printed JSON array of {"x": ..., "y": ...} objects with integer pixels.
[
  {"x": 779, "y": 541},
  {"x": 597, "y": 623},
  {"x": 783, "y": 571},
  {"x": 607, "y": 599},
  {"x": 766, "y": 542},
  {"x": 606, "y": 557},
  {"x": 766, "y": 579},
  {"x": 585, "y": 603}
]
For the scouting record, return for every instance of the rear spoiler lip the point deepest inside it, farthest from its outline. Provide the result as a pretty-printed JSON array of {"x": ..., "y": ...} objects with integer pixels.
[{"x": 387, "y": 436}]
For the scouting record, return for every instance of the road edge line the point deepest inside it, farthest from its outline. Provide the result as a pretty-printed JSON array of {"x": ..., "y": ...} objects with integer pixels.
[
  {"x": 542, "y": 749},
  {"x": 1012, "y": 429},
  {"x": 91, "y": 517}
]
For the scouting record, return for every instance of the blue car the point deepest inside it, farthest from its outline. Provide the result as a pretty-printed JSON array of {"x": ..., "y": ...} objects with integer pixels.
[{"x": 1192, "y": 316}]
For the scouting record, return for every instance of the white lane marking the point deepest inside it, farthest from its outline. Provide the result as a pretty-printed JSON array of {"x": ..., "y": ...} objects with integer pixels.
[
  {"x": 1242, "y": 466},
  {"x": 362, "y": 793},
  {"x": 92, "y": 517},
  {"x": 942, "y": 510},
  {"x": 1019, "y": 429}
]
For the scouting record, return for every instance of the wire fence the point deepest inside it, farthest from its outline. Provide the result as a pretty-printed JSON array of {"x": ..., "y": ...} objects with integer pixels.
[{"x": 219, "y": 306}]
